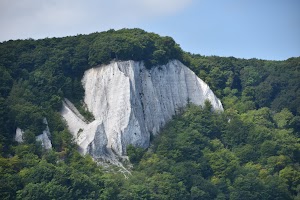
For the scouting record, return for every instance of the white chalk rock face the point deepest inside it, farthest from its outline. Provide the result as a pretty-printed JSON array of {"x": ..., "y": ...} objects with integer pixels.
[
  {"x": 44, "y": 138},
  {"x": 19, "y": 135},
  {"x": 130, "y": 102}
]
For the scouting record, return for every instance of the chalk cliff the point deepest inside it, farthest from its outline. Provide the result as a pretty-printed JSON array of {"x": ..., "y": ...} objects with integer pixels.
[{"x": 130, "y": 102}]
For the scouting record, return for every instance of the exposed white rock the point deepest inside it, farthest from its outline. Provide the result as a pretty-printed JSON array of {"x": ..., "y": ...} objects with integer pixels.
[
  {"x": 130, "y": 102},
  {"x": 83, "y": 133},
  {"x": 43, "y": 138},
  {"x": 19, "y": 135}
]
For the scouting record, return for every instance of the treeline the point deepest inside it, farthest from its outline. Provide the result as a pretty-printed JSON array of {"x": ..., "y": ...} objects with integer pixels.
[{"x": 251, "y": 151}]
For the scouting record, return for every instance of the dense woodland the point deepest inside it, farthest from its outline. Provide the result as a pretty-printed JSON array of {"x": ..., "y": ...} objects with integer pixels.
[{"x": 250, "y": 151}]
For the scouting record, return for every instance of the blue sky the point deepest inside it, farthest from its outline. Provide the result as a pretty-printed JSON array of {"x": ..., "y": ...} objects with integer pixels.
[{"x": 264, "y": 29}]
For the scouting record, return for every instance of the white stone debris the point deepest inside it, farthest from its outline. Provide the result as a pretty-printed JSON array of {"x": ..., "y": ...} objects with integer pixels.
[{"x": 130, "y": 102}]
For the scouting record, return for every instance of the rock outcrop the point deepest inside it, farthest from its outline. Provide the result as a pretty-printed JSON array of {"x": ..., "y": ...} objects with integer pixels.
[
  {"x": 44, "y": 138},
  {"x": 19, "y": 137},
  {"x": 130, "y": 102}
]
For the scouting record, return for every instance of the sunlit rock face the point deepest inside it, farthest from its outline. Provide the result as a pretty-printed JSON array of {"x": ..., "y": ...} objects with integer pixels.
[{"x": 130, "y": 102}]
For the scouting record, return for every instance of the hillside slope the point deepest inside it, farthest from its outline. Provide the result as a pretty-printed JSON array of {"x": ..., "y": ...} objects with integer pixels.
[{"x": 250, "y": 151}]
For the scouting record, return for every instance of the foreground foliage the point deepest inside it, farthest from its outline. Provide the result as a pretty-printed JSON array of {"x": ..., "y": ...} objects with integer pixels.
[
  {"x": 199, "y": 155},
  {"x": 251, "y": 151},
  {"x": 211, "y": 158}
]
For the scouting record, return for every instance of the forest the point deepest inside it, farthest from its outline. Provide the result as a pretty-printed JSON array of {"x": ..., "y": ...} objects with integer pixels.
[{"x": 250, "y": 151}]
